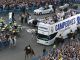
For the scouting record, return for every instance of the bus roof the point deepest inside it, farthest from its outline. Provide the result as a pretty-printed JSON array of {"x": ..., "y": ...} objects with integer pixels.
[{"x": 50, "y": 20}]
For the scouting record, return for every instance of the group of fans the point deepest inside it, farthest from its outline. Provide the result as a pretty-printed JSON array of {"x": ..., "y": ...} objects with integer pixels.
[
  {"x": 8, "y": 33},
  {"x": 23, "y": 5},
  {"x": 11, "y": 5},
  {"x": 64, "y": 13}
]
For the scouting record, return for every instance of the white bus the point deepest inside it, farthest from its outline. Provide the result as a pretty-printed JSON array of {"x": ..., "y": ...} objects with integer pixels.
[{"x": 48, "y": 32}]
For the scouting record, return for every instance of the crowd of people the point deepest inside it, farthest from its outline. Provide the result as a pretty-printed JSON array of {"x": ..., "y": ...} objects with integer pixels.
[
  {"x": 8, "y": 33},
  {"x": 27, "y": 5},
  {"x": 24, "y": 5},
  {"x": 61, "y": 15},
  {"x": 68, "y": 51}
]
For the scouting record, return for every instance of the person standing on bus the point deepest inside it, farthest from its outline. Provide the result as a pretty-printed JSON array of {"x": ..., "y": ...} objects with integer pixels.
[{"x": 55, "y": 18}]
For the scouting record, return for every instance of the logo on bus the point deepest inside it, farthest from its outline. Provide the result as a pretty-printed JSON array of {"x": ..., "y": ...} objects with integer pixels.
[{"x": 65, "y": 24}]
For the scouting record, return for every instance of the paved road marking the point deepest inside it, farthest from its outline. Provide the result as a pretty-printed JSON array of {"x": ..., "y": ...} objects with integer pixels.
[
  {"x": 24, "y": 27},
  {"x": 30, "y": 30}
]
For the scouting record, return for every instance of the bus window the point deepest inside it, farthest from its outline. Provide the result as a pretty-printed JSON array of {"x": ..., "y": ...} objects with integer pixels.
[{"x": 43, "y": 37}]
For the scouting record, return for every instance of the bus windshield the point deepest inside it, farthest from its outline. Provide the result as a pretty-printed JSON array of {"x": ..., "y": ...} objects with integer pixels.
[
  {"x": 45, "y": 37},
  {"x": 42, "y": 37}
]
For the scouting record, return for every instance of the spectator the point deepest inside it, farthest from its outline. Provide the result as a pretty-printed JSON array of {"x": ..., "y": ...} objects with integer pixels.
[
  {"x": 23, "y": 9},
  {"x": 44, "y": 52},
  {"x": 35, "y": 58},
  {"x": 13, "y": 19},
  {"x": 14, "y": 40},
  {"x": 11, "y": 42},
  {"x": 22, "y": 18},
  {"x": 26, "y": 17}
]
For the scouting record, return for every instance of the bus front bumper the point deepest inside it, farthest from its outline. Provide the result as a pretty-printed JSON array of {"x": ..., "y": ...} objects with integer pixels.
[{"x": 44, "y": 42}]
